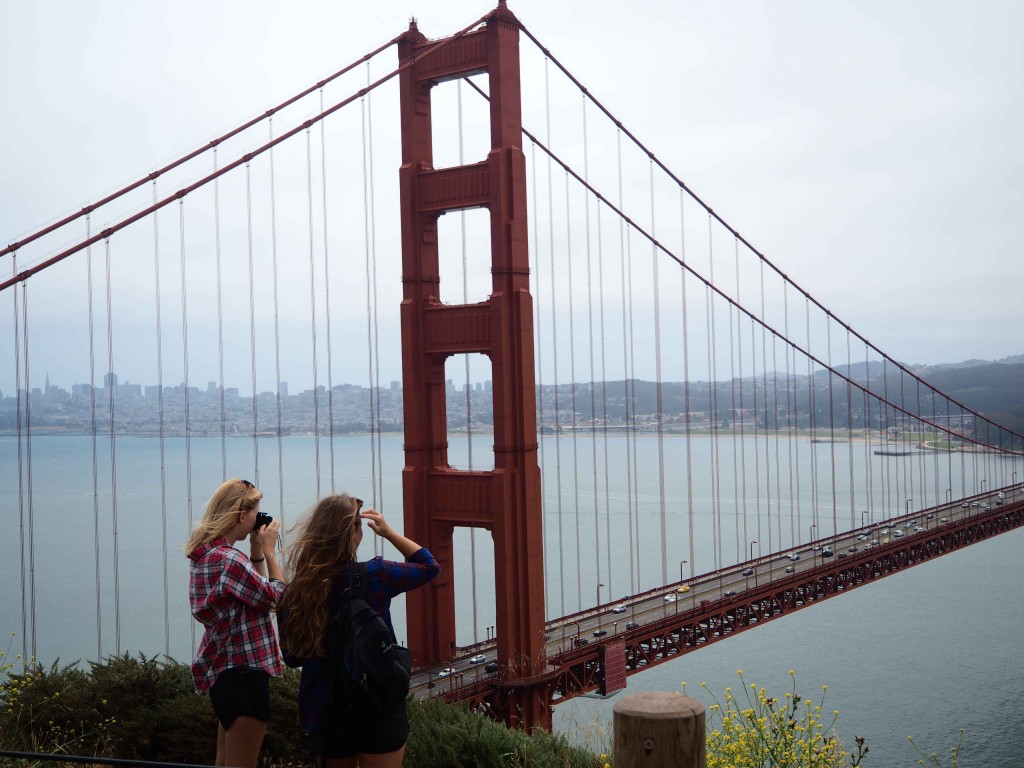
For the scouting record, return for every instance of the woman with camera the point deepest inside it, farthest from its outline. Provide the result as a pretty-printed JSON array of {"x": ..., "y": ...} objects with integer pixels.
[
  {"x": 321, "y": 559},
  {"x": 232, "y": 597}
]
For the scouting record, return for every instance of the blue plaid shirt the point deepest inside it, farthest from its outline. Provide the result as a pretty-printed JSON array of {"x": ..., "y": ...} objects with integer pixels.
[{"x": 385, "y": 579}]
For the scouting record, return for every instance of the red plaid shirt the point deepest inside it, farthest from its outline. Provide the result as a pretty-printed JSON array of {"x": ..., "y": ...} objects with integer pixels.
[{"x": 234, "y": 603}]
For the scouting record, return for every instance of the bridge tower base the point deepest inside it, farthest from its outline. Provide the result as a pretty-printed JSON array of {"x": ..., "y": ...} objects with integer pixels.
[{"x": 438, "y": 498}]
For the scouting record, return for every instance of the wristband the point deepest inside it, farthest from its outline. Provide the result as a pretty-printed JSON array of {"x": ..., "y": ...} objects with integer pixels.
[{"x": 257, "y": 559}]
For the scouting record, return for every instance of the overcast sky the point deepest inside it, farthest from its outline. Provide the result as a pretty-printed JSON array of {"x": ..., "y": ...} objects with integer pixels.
[{"x": 870, "y": 149}]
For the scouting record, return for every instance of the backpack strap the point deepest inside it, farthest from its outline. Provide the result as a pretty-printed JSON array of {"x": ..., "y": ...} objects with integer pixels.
[{"x": 358, "y": 579}]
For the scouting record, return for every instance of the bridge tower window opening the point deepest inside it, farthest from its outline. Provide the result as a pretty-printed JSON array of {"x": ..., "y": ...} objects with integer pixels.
[
  {"x": 464, "y": 256},
  {"x": 460, "y": 123}
]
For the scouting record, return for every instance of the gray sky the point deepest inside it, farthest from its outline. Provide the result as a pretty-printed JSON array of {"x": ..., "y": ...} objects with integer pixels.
[{"x": 865, "y": 147}]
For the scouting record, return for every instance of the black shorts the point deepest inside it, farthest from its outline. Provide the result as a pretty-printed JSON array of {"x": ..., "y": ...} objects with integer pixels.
[
  {"x": 241, "y": 691},
  {"x": 361, "y": 730}
]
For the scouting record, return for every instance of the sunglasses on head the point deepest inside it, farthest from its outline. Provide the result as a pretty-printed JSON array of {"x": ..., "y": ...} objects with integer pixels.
[
  {"x": 359, "y": 506},
  {"x": 247, "y": 487}
]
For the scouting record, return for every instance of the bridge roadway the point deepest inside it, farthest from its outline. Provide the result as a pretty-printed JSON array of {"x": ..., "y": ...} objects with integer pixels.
[{"x": 716, "y": 604}]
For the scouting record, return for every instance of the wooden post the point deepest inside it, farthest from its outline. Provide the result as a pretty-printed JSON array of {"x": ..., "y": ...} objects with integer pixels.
[{"x": 659, "y": 730}]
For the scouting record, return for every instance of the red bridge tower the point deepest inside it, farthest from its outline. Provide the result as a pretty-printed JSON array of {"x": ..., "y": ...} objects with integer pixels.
[{"x": 437, "y": 498}]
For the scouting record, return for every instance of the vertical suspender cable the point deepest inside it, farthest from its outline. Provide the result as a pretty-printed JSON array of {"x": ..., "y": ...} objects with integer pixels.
[
  {"x": 572, "y": 392},
  {"x": 367, "y": 197},
  {"x": 28, "y": 469},
  {"x": 95, "y": 457},
  {"x": 813, "y": 420},
  {"x": 184, "y": 357},
  {"x": 659, "y": 388},
  {"x": 739, "y": 462},
  {"x": 849, "y": 431},
  {"x": 791, "y": 423},
  {"x": 625, "y": 376},
  {"x": 764, "y": 402},
  {"x": 756, "y": 443},
  {"x": 21, "y": 470},
  {"x": 160, "y": 411},
  {"x": 632, "y": 396},
  {"x": 832, "y": 426},
  {"x": 540, "y": 363},
  {"x": 111, "y": 398},
  {"x": 312, "y": 309},
  {"x": 376, "y": 303},
  {"x": 220, "y": 319},
  {"x": 277, "y": 332},
  {"x": 252, "y": 325},
  {"x": 593, "y": 376},
  {"x": 686, "y": 384},
  {"x": 867, "y": 433},
  {"x": 778, "y": 448},
  {"x": 327, "y": 290},
  {"x": 886, "y": 475},
  {"x": 468, "y": 389},
  {"x": 554, "y": 348},
  {"x": 908, "y": 475},
  {"x": 716, "y": 481},
  {"x": 604, "y": 409}
]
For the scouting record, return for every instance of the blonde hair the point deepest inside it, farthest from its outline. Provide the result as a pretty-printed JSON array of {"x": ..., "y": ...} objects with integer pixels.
[
  {"x": 220, "y": 515},
  {"x": 325, "y": 542}
]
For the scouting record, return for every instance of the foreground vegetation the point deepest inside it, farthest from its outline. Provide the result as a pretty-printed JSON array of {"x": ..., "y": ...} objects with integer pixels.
[{"x": 142, "y": 708}]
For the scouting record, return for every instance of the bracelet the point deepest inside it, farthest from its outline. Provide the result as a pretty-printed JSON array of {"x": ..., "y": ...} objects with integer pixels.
[{"x": 257, "y": 559}]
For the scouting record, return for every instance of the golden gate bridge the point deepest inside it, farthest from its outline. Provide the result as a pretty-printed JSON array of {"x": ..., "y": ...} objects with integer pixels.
[{"x": 659, "y": 394}]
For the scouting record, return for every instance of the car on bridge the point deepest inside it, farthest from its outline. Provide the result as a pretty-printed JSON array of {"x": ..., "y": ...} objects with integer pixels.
[
  {"x": 492, "y": 666},
  {"x": 748, "y": 571},
  {"x": 600, "y": 632},
  {"x": 793, "y": 556},
  {"x": 827, "y": 552},
  {"x": 478, "y": 659},
  {"x": 446, "y": 672},
  {"x": 619, "y": 609},
  {"x": 670, "y": 598},
  {"x": 684, "y": 589}
]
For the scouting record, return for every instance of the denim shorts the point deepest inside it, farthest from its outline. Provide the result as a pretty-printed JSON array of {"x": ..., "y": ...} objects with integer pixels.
[{"x": 241, "y": 691}]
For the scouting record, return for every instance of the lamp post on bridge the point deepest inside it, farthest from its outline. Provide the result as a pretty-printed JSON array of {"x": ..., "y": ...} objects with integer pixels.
[
  {"x": 810, "y": 538},
  {"x": 752, "y": 543},
  {"x": 862, "y": 516},
  {"x": 599, "y": 594},
  {"x": 983, "y": 484},
  {"x": 908, "y": 506}
]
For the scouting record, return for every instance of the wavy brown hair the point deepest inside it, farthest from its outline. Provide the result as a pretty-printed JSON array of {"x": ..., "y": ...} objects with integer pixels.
[
  {"x": 221, "y": 511},
  {"x": 324, "y": 543}
]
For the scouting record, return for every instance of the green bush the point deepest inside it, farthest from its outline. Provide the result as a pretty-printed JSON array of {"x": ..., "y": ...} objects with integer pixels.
[
  {"x": 130, "y": 707},
  {"x": 143, "y": 708}
]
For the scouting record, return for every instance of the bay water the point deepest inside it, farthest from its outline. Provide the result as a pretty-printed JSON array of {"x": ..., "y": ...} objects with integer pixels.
[{"x": 93, "y": 565}]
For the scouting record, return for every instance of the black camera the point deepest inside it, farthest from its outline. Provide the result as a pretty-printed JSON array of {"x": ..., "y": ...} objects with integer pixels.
[{"x": 262, "y": 519}]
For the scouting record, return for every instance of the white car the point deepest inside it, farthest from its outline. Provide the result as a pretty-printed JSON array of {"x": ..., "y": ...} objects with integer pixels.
[
  {"x": 445, "y": 672},
  {"x": 619, "y": 609},
  {"x": 670, "y": 598},
  {"x": 793, "y": 556},
  {"x": 478, "y": 659}
]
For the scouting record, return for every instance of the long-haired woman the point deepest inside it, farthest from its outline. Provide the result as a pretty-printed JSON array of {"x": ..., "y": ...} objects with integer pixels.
[
  {"x": 319, "y": 563},
  {"x": 233, "y": 598}
]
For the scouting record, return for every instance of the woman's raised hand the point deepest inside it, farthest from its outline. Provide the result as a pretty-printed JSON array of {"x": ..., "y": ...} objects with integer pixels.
[{"x": 375, "y": 522}]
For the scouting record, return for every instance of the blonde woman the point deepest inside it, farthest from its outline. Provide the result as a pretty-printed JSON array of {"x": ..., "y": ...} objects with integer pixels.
[
  {"x": 232, "y": 596},
  {"x": 351, "y": 733}
]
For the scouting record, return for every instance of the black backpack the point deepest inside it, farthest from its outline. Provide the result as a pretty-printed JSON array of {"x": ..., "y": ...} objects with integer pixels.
[{"x": 366, "y": 665}]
